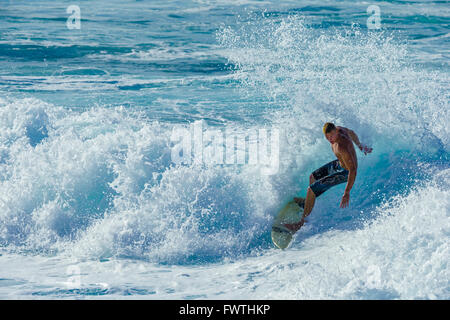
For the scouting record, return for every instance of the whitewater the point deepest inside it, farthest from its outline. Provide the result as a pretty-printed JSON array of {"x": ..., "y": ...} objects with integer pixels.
[{"x": 93, "y": 205}]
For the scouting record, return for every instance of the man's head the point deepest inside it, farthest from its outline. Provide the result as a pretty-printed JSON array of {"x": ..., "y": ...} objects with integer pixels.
[{"x": 330, "y": 132}]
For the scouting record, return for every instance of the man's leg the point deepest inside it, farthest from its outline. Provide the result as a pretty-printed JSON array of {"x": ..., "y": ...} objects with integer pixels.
[
  {"x": 320, "y": 186},
  {"x": 310, "y": 198},
  {"x": 301, "y": 201},
  {"x": 311, "y": 179},
  {"x": 314, "y": 190},
  {"x": 309, "y": 203}
]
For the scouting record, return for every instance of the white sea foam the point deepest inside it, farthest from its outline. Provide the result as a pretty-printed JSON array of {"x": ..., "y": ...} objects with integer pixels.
[
  {"x": 96, "y": 190},
  {"x": 402, "y": 255}
]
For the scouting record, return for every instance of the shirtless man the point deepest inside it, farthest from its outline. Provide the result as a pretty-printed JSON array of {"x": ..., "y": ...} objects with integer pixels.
[{"x": 338, "y": 171}]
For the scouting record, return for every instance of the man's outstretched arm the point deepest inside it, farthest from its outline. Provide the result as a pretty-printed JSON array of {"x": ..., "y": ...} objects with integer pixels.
[{"x": 355, "y": 139}]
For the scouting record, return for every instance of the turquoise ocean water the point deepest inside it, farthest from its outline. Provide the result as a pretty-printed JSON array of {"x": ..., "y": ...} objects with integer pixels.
[{"x": 94, "y": 205}]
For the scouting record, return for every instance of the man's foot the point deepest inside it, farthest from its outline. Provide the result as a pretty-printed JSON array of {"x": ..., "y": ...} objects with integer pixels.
[
  {"x": 294, "y": 227},
  {"x": 300, "y": 202}
]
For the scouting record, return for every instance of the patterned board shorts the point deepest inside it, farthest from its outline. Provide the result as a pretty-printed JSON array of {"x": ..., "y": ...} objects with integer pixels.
[{"x": 328, "y": 176}]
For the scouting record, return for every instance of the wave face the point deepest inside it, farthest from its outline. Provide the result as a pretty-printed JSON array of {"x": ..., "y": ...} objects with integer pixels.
[
  {"x": 88, "y": 178},
  {"x": 102, "y": 183}
]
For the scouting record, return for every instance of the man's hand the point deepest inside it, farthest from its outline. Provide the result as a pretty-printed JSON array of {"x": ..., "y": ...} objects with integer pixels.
[
  {"x": 365, "y": 149},
  {"x": 345, "y": 200}
]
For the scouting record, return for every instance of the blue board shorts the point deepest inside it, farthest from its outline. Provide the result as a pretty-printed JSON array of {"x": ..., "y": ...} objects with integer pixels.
[{"x": 328, "y": 176}]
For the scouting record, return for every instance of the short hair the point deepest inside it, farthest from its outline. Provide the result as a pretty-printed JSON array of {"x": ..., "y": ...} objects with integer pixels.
[{"x": 328, "y": 127}]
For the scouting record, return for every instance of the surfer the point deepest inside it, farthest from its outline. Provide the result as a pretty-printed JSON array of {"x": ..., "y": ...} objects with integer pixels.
[{"x": 338, "y": 171}]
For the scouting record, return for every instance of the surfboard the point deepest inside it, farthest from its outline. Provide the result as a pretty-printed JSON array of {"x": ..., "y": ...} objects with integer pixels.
[{"x": 291, "y": 213}]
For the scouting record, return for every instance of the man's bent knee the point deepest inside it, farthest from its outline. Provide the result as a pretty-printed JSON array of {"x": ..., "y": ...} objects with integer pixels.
[
  {"x": 311, "y": 179},
  {"x": 310, "y": 193}
]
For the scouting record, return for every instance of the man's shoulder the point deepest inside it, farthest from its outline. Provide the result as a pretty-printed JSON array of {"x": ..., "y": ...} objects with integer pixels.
[
  {"x": 343, "y": 129},
  {"x": 345, "y": 143},
  {"x": 343, "y": 132}
]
